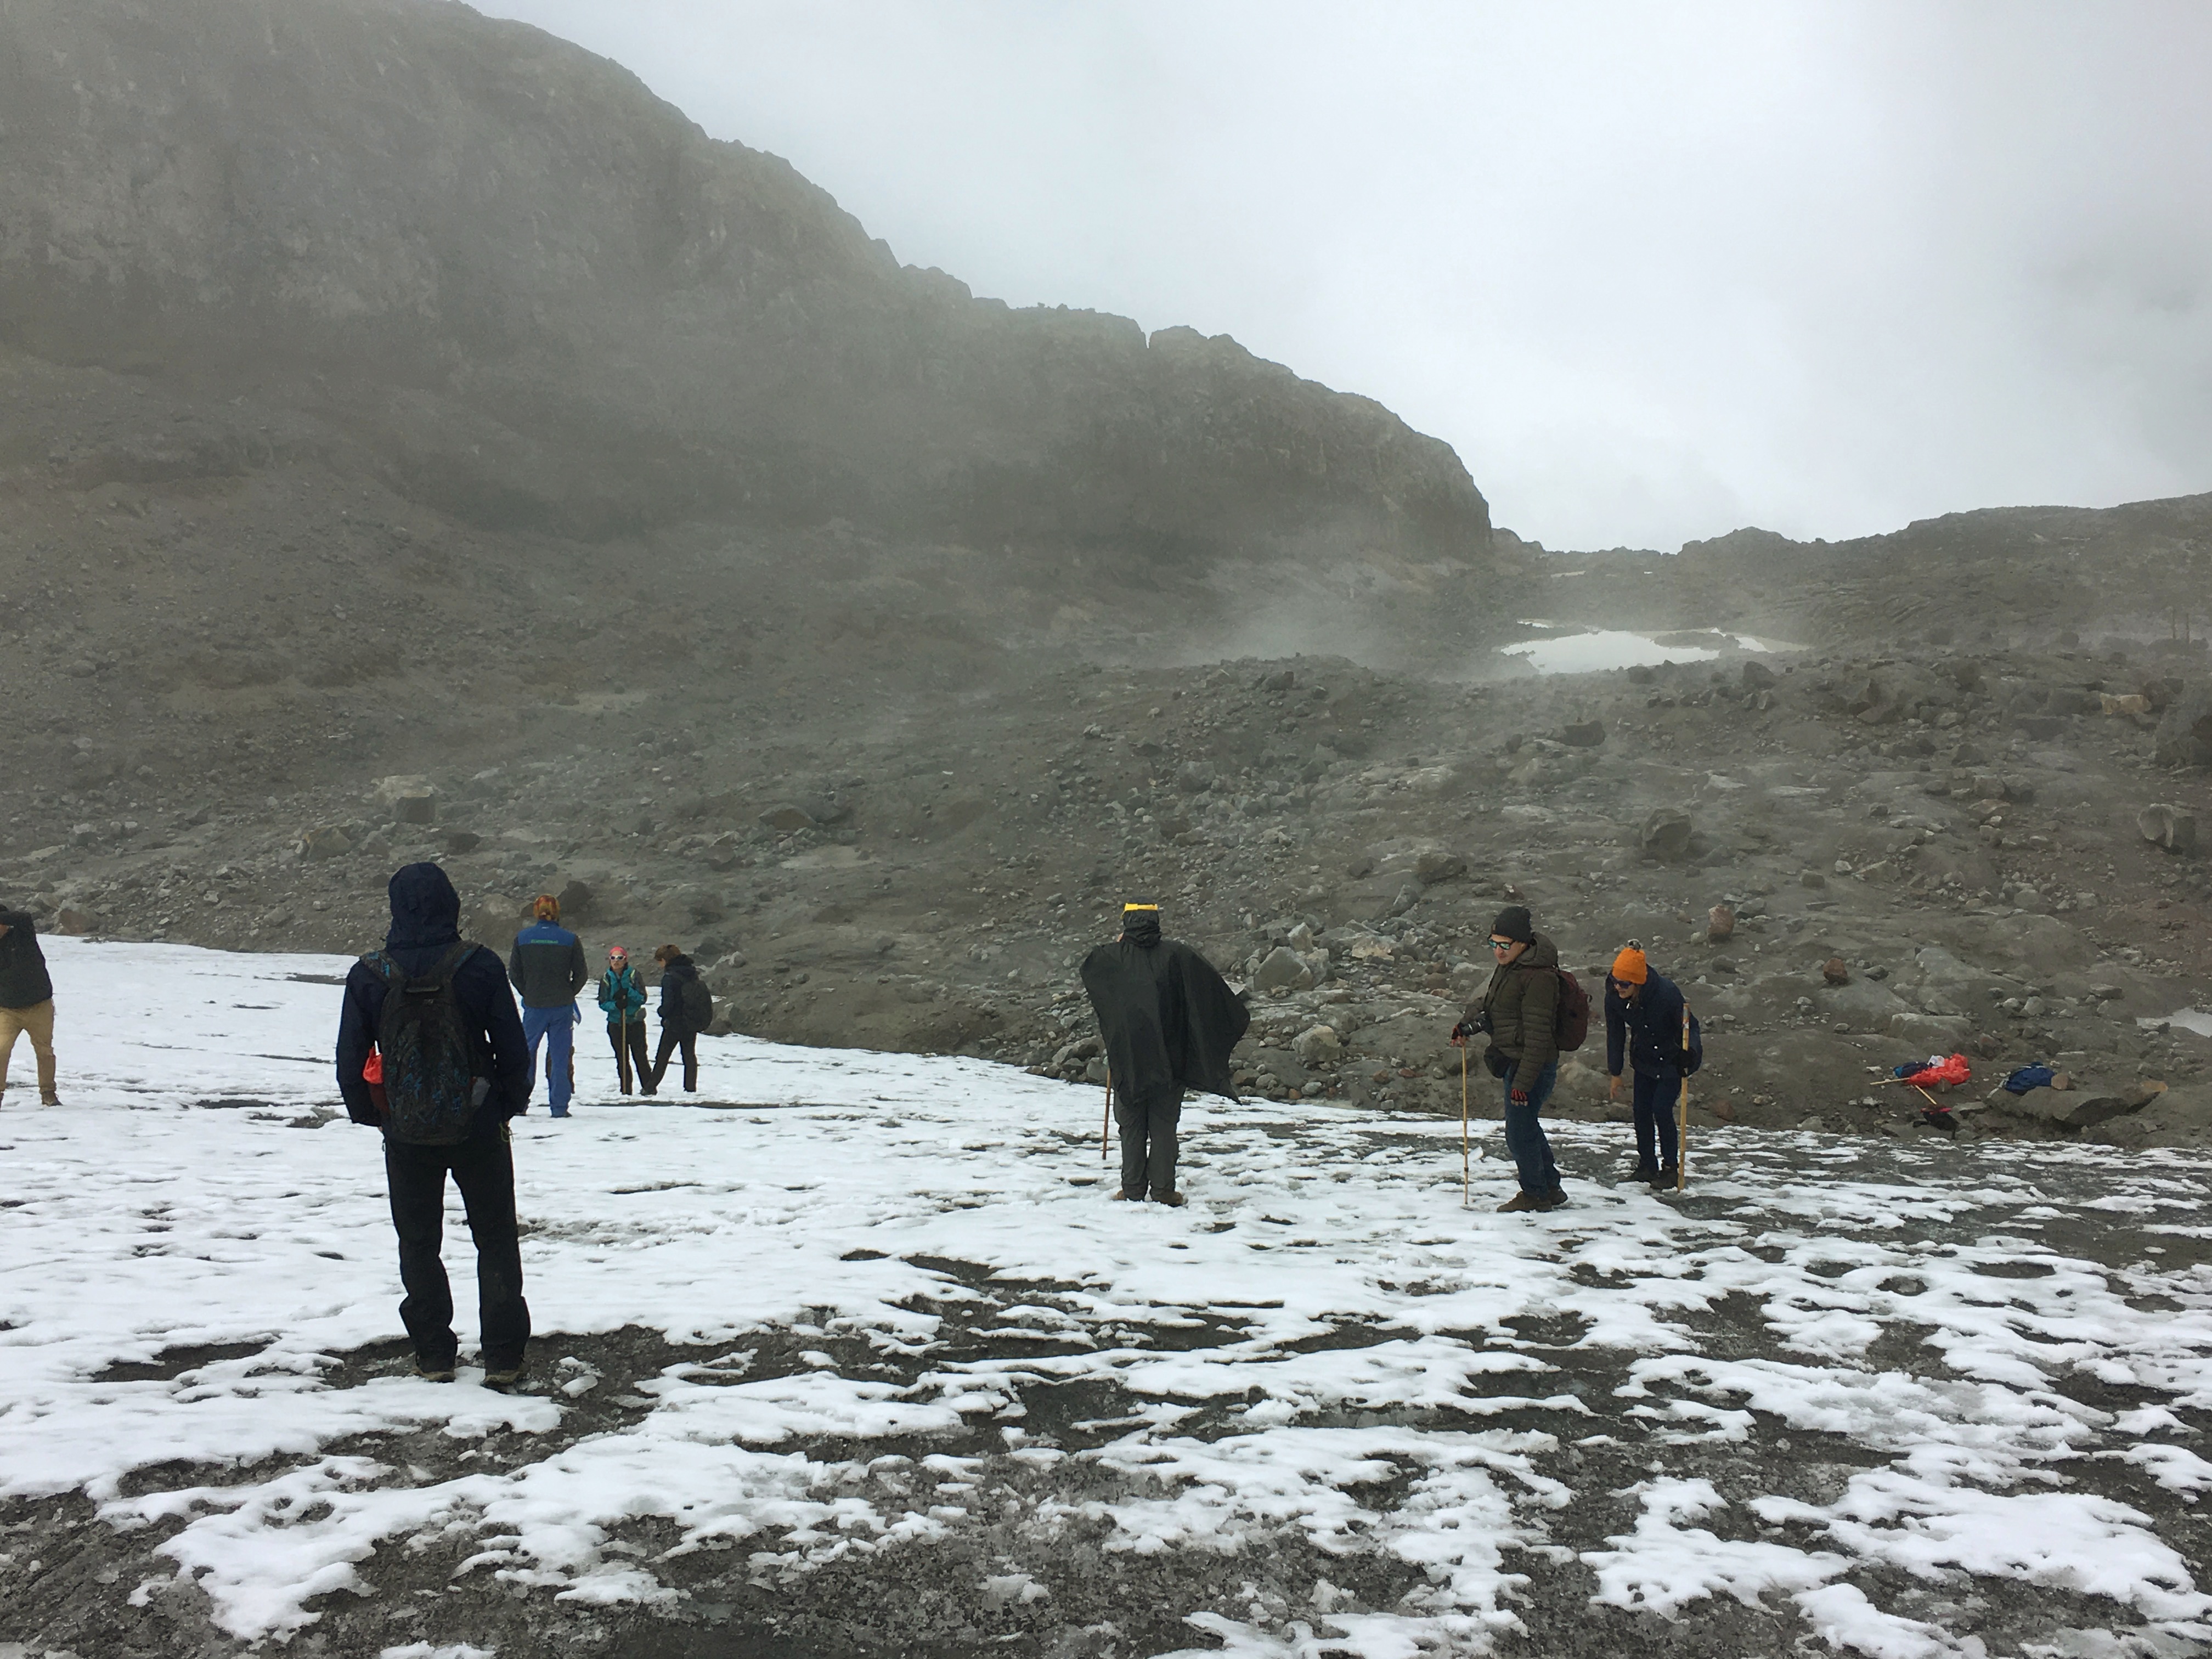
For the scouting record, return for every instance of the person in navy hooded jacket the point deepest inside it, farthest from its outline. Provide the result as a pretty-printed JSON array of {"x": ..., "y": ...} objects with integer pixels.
[
  {"x": 425, "y": 926},
  {"x": 1644, "y": 1022}
]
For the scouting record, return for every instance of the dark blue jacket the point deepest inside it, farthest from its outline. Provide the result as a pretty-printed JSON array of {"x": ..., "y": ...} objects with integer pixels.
[
  {"x": 1649, "y": 1028},
  {"x": 426, "y": 923}
]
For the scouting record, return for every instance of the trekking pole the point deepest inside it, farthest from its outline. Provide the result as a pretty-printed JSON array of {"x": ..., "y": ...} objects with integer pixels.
[
  {"x": 1106, "y": 1128},
  {"x": 622, "y": 1043},
  {"x": 1465, "y": 1161},
  {"x": 1683, "y": 1114}
]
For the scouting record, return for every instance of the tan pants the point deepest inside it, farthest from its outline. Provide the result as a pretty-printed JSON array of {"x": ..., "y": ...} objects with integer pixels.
[{"x": 38, "y": 1023}]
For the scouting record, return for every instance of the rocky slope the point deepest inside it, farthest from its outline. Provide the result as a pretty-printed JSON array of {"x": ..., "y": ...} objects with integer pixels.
[
  {"x": 537, "y": 296},
  {"x": 381, "y": 394}
]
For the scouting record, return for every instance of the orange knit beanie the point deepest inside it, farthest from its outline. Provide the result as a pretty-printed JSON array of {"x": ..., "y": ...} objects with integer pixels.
[{"x": 1630, "y": 968}]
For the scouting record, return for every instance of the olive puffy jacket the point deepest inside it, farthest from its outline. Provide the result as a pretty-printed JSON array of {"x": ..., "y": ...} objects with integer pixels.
[{"x": 1523, "y": 1002}]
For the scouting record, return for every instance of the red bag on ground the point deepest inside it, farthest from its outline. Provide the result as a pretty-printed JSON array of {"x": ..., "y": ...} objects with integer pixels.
[{"x": 1952, "y": 1071}]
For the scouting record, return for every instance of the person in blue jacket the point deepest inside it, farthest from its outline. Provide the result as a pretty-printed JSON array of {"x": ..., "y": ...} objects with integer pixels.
[
  {"x": 547, "y": 967},
  {"x": 1644, "y": 1026},
  {"x": 621, "y": 999}
]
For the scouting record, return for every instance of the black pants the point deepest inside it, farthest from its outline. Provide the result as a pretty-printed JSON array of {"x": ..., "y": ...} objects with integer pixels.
[
  {"x": 482, "y": 1167},
  {"x": 1148, "y": 1142},
  {"x": 1654, "y": 1096},
  {"x": 641, "y": 1068},
  {"x": 670, "y": 1041}
]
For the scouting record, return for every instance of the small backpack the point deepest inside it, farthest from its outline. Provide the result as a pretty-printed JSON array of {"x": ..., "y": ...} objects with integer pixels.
[
  {"x": 1570, "y": 1022},
  {"x": 430, "y": 1080},
  {"x": 1694, "y": 1049},
  {"x": 694, "y": 1002}
]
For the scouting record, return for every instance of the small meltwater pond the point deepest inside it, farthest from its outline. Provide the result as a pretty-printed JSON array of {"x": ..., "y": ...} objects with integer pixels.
[
  {"x": 1601, "y": 649},
  {"x": 2198, "y": 1020}
]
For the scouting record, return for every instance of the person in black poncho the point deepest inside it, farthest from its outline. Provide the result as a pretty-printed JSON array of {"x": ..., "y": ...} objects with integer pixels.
[{"x": 1168, "y": 1021}]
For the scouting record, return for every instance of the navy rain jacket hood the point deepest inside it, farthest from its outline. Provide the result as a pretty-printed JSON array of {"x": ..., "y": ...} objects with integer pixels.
[
  {"x": 426, "y": 917},
  {"x": 426, "y": 923}
]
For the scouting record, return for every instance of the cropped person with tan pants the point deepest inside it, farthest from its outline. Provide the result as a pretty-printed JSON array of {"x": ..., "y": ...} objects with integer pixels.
[{"x": 26, "y": 1000}]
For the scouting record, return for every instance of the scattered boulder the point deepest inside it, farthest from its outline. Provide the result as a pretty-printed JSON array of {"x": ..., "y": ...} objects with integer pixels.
[
  {"x": 2185, "y": 733},
  {"x": 76, "y": 922},
  {"x": 1836, "y": 971},
  {"x": 1317, "y": 1045},
  {"x": 787, "y": 817},
  {"x": 1434, "y": 864},
  {"x": 463, "y": 840},
  {"x": 1930, "y": 1034},
  {"x": 1281, "y": 970},
  {"x": 409, "y": 799},
  {"x": 1758, "y": 676},
  {"x": 2079, "y": 1110},
  {"x": 2173, "y": 828},
  {"x": 1583, "y": 734},
  {"x": 1720, "y": 923},
  {"x": 577, "y": 902},
  {"x": 2134, "y": 703},
  {"x": 326, "y": 842},
  {"x": 1665, "y": 834}
]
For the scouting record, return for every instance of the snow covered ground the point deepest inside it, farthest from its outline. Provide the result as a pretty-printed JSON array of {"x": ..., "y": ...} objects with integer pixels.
[{"x": 855, "y": 1352}]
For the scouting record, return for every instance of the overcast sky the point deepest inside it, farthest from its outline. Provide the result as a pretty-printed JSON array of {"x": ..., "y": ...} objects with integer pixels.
[{"x": 1656, "y": 272}]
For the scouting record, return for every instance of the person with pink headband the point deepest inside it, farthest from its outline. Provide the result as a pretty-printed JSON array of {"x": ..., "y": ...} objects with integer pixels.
[{"x": 621, "y": 998}]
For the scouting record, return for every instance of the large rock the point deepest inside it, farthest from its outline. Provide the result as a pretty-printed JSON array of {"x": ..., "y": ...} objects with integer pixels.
[
  {"x": 1433, "y": 864},
  {"x": 1931, "y": 1034},
  {"x": 1665, "y": 834},
  {"x": 324, "y": 841},
  {"x": 2078, "y": 1109},
  {"x": 409, "y": 800},
  {"x": 2185, "y": 732},
  {"x": 1317, "y": 1045},
  {"x": 1281, "y": 970},
  {"x": 2174, "y": 828}
]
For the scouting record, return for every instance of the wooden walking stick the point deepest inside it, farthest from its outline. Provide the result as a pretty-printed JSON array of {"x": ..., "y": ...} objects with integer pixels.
[
  {"x": 1106, "y": 1128},
  {"x": 1682, "y": 1113},
  {"x": 1465, "y": 1195}
]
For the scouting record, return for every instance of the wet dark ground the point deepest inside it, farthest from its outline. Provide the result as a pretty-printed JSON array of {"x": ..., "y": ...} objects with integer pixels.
[{"x": 1029, "y": 1563}]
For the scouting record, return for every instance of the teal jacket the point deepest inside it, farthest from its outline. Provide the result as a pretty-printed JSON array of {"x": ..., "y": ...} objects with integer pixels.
[{"x": 622, "y": 995}]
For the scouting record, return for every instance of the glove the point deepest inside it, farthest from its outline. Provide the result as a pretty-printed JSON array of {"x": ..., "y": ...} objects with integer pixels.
[
  {"x": 1460, "y": 1033},
  {"x": 1520, "y": 1096}
]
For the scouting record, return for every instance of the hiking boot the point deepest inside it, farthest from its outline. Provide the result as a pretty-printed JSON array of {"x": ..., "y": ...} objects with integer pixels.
[
  {"x": 1173, "y": 1201},
  {"x": 506, "y": 1379},
  {"x": 1670, "y": 1177},
  {"x": 1121, "y": 1194},
  {"x": 430, "y": 1373},
  {"x": 1525, "y": 1201},
  {"x": 1646, "y": 1172}
]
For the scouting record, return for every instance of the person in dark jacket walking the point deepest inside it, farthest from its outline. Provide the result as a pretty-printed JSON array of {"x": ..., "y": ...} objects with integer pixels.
[
  {"x": 426, "y": 916},
  {"x": 621, "y": 999},
  {"x": 26, "y": 1000},
  {"x": 679, "y": 1024},
  {"x": 1643, "y": 1024},
  {"x": 547, "y": 966},
  {"x": 1519, "y": 1009},
  {"x": 1169, "y": 1022}
]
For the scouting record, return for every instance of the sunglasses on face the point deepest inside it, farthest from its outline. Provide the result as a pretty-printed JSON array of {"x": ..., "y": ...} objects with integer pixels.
[{"x": 1504, "y": 944}]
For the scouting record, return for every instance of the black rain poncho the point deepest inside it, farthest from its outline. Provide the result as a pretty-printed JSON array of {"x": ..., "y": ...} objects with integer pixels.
[{"x": 1168, "y": 1018}]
